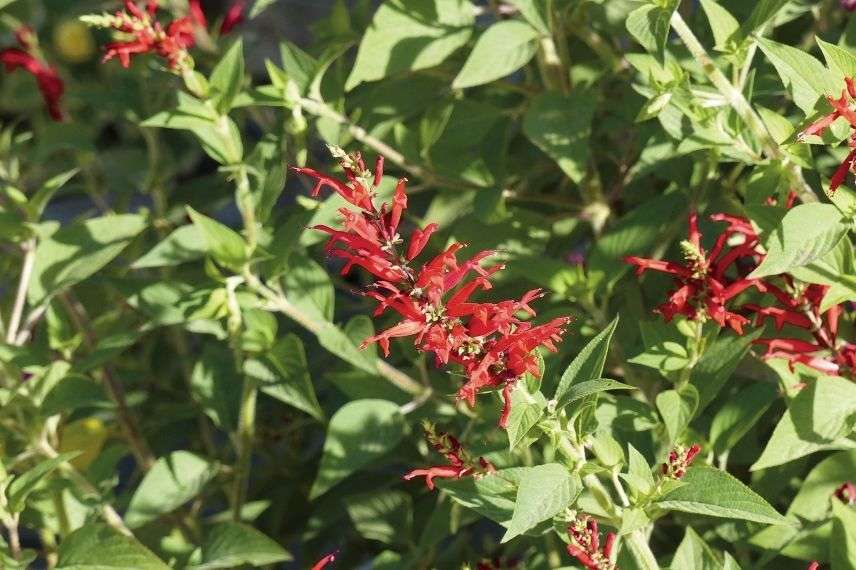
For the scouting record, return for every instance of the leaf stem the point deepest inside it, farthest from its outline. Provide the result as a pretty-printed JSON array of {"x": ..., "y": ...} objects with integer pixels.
[
  {"x": 741, "y": 106},
  {"x": 29, "y": 248}
]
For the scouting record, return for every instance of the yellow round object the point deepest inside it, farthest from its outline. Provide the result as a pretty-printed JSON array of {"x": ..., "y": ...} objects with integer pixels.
[
  {"x": 73, "y": 41},
  {"x": 86, "y": 436}
]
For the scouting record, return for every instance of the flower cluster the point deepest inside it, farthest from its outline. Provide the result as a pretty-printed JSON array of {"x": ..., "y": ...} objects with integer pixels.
[
  {"x": 585, "y": 544},
  {"x": 704, "y": 286},
  {"x": 490, "y": 341},
  {"x": 461, "y": 463},
  {"x": 147, "y": 35},
  {"x": 679, "y": 461},
  {"x": 840, "y": 108},
  {"x": 846, "y": 493},
  {"x": 799, "y": 307},
  {"x": 26, "y": 57}
]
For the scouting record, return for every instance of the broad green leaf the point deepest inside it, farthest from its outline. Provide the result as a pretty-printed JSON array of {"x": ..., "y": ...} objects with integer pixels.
[
  {"x": 807, "y": 78},
  {"x": 826, "y": 408},
  {"x": 665, "y": 347},
  {"x": 841, "y": 61},
  {"x": 722, "y": 23},
  {"x": 739, "y": 414},
  {"x": 283, "y": 374},
  {"x": 650, "y": 25},
  {"x": 836, "y": 269},
  {"x": 223, "y": 244},
  {"x": 234, "y": 544},
  {"x": 77, "y": 251},
  {"x": 359, "y": 433},
  {"x": 36, "y": 204},
  {"x": 171, "y": 482},
  {"x": 560, "y": 125},
  {"x": 544, "y": 491},
  {"x": 787, "y": 443},
  {"x": 96, "y": 546},
  {"x": 718, "y": 363},
  {"x": 586, "y": 366},
  {"x": 308, "y": 285},
  {"x": 501, "y": 50},
  {"x": 526, "y": 411},
  {"x": 677, "y": 409},
  {"x": 406, "y": 35},
  {"x": 693, "y": 553},
  {"x": 493, "y": 495},
  {"x": 216, "y": 386},
  {"x": 186, "y": 243},
  {"x": 633, "y": 519},
  {"x": 385, "y": 516},
  {"x": 709, "y": 491},
  {"x": 607, "y": 450},
  {"x": 842, "y": 547},
  {"x": 227, "y": 77},
  {"x": 806, "y": 234},
  {"x": 23, "y": 485}
]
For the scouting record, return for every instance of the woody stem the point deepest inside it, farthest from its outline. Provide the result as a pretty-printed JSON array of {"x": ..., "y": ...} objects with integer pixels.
[{"x": 741, "y": 106}]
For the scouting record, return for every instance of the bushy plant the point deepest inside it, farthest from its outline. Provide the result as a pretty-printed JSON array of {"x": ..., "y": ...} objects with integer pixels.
[{"x": 502, "y": 284}]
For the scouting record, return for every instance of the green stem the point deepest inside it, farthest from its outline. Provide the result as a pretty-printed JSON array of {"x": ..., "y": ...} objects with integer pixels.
[
  {"x": 245, "y": 438},
  {"x": 741, "y": 106},
  {"x": 641, "y": 551}
]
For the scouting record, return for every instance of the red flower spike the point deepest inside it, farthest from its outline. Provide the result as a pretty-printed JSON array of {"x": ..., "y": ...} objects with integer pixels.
[
  {"x": 846, "y": 493},
  {"x": 324, "y": 562},
  {"x": 491, "y": 342},
  {"x": 703, "y": 287},
  {"x": 679, "y": 461},
  {"x": 585, "y": 544},
  {"x": 461, "y": 464},
  {"x": 48, "y": 81}
]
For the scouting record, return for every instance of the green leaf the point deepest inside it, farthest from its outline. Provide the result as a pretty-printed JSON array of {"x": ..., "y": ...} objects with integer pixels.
[
  {"x": 216, "y": 386},
  {"x": 825, "y": 408},
  {"x": 492, "y": 496},
  {"x": 186, "y": 243},
  {"x": 842, "y": 546},
  {"x": 526, "y": 411},
  {"x": 806, "y": 234},
  {"x": 665, "y": 348},
  {"x": 722, "y": 23},
  {"x": 36, "y": 204},
  {"x": 308, "y": 285},
  {"x": 284, "y": 374},
  {"x": 560, "y": 125},
  {"x": 234, "y": 544},
  {"x": 586, "y": 366},
  {"x": 807, "y": 78},
  {"x": 762, "y": 13},
  {"x": 544, "y": 491},
  {"x": 171, "y": 482},
  {"x": 299, "y": 66},
  {"x": 693, "y": 553},
  {"x": 739, "y": 414},
  {"x": 677, "y": 409},
  {"x": 840, "y": 61},
  {"x": 638, "y": 475},
  {"x": 385, "y": 516},
  {"x": 709, "y": 491},
  {"x": 78, "y": 251},
  {"x": 501, "y": 50},
  {"x": 224, "y": 244},
  {"x": 227, "y": 77},
  {"x": 589, "y": 388},
  {"x": 359, "y": 433},
  {"x": 23, "y": 485},
  {"x": 650, "y": 25},
  {"x": 99, "y": 547},
  {"x": 406, "y": 35},
  {"x": 534, "y": 12}
]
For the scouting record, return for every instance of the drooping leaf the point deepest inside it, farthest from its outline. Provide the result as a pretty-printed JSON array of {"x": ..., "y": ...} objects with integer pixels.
[
  {"x": 223, "y": 243},
  {"x": 649, "y": 25},
  {"x": 501, "y": 50},
  {"x": 693, "y": 553},
  {"x": 171, "y": 482},
  {"x": 739, "y": 414},
  {"x": 186, "y": 243},
  {"x": 359, "y": 433},
  {"x": 807, "y": 78},
  {"x": 234, "y": 544},
  {"x": 544, "y": 491},
  {"x": 96, "y": 546},
  {"x": 385, "y": 516}
]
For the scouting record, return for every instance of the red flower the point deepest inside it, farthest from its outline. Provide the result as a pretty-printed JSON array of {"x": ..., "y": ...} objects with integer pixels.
[
  {"x": 703, "y": 287},
  {"x": 679, "y": 460},
  {"x": 47, "y": 79},
  {"x": 325, "y": 561},
  {"x": 801, "y": 309},
  {"x": 585, "y": 544},
  {"x": 815, "y": 565},
  {"x": 461, "y": 464},
  {"x": 149, "y": 36},
  {"x": 492, "y": 344},
  {"x": 841, "y": 108},
  {"x": 847, "y": 493},
  {"x": 234, "y": 15}
]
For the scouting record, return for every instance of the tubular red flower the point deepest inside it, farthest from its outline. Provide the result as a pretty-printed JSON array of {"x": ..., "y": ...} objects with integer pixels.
[
  {"x": 149, "y": 36},
  {"x": 489, "y": 341},
  {"x": 461, "y": 464},
  {"x": 585, "y": 544},
  {"x": 324, "y": 562},
  {"x": 48, "y": 81}
]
